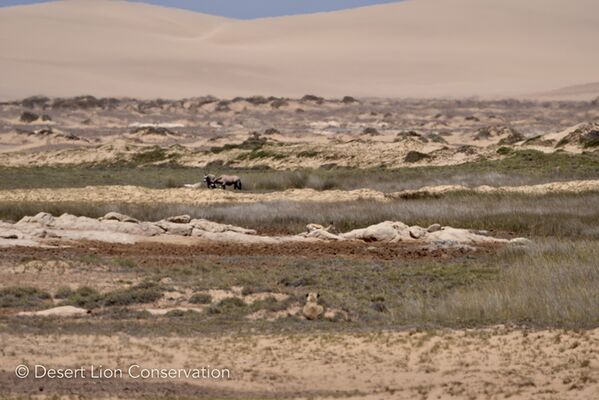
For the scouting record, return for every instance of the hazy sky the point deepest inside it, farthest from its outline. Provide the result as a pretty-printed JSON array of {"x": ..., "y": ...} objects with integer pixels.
[{"x": 247, "y": 8}]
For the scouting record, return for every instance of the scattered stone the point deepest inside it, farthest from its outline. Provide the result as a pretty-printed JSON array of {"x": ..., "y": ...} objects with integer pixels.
[
  {"x": 10, "y": 234},
  {"x": 179, "y": 219},
  {"x": 434, "y": 228},
  {"x": 384, "y": 232},
  {"x": 322, "y": 234},
  {"x": 114, "y": 216},
  {"x": 520, "y": 241},
  {"x": 40, "y": 233},
  {"x": 173, "y": 228},
  {"x": 41, "y": 218},
  {"x": 314, "y": 227},
  {"x": 417, "y": 232},
  {"x": 214, "y": 227}
]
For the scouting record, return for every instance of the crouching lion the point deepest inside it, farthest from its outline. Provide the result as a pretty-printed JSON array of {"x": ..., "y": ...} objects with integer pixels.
[{"x": 312, "y": 310}]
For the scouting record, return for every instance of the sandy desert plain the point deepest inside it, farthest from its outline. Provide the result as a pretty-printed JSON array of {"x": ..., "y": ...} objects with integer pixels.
[
  {"x": 411, "y": 311},
  {"x": 453, "y": 240}
]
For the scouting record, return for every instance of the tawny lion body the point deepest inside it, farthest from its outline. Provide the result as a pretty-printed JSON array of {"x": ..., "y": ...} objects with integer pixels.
[{"x": 312, "y": 310}]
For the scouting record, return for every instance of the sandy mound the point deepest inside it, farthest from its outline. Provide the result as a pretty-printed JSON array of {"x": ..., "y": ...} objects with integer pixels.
[
  {"x": 580, "y": 137},
  {"x": 25, "y": 139},
  {"x": 584, "y": 135},
  {"x": 117, "y": 228}
]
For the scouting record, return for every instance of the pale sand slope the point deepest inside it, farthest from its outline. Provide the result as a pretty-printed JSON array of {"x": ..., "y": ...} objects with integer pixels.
[
  {"x": 493, "y": 363},
  {"x": 412, "y": 48},
  {"x": 137, "y": 194}
]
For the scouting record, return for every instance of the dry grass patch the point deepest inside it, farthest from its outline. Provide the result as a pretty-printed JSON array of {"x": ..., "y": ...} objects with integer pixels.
[
  {"x": 551, "y": 283},
  {"x": 517, "y": 167}
]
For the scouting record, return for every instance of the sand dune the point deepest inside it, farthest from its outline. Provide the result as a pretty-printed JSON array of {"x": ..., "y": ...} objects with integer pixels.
[
  {"x": 415, "y": 48},
  {"x": 575, "y": 92}
]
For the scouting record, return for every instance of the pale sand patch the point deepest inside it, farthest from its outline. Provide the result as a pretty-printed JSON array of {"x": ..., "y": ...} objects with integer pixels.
[
  {"x": 136, "y": 194},
  {"x": 164, "y": 311},
  {"x": 202, "y": 196},
  {"x": 495, "y": 362},
  {"x": 218, "y": 295},
  {"x": 61, "y": 311},
  {"x": 544, "y": 188}
]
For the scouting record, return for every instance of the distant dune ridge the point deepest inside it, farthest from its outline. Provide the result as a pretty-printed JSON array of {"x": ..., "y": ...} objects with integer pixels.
[{"x": 414, "y": 48}]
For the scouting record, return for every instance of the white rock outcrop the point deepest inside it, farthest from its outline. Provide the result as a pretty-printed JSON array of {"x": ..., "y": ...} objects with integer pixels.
[
  {"x": 44, "y": 229},
  {"x": 62, "y": 311},
  {"x": 387, "y": 231}
]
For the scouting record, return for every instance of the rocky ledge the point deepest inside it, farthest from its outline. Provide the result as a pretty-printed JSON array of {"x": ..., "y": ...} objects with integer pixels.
[{"x": 44, "y": 229}]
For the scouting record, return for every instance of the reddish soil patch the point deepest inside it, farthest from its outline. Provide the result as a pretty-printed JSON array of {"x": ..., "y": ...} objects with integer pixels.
[{"x": 168, "y": 254}]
